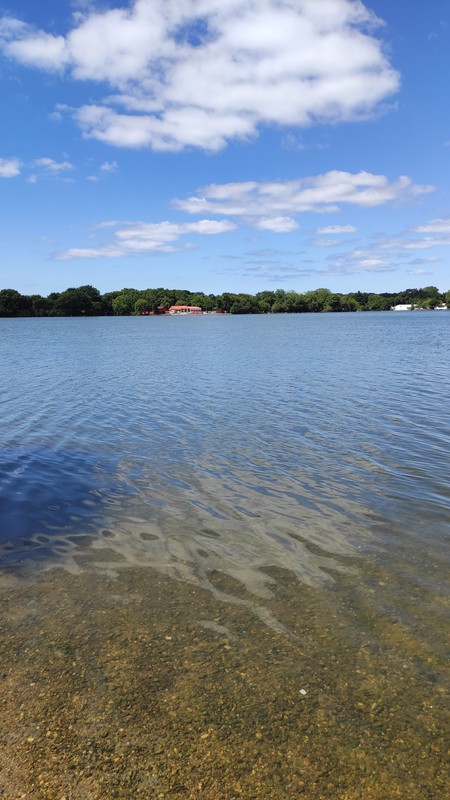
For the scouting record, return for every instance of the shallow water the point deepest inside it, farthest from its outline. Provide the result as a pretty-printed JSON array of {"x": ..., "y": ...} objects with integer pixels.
[{"x": 217, "y": 513}]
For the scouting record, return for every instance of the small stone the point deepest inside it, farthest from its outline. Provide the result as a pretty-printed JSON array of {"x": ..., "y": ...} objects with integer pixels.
[{"x": 303, "y": 692}]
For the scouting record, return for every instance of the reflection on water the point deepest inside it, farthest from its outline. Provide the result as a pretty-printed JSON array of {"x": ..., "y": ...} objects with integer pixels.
[
  {"x": 274, "y": 491},
  {"x": 225, "y": 444},
  {"x": 49, "y": 497}
]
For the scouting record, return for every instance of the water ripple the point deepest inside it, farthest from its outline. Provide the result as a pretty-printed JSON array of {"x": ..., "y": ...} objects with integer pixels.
[{"x": 223, "y": 443}]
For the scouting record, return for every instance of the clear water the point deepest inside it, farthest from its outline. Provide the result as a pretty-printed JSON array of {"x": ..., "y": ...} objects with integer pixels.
[{"x": 229, "y": 455}]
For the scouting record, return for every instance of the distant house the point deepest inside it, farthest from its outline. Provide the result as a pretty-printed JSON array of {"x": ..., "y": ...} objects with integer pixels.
[
  {"x": 185, "y": 310},
  {"x": 402, "y": 307},
  {"x": 155, "y": 312}
]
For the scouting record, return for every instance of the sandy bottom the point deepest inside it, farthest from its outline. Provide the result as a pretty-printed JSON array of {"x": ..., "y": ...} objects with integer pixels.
[{"x": 143, "y": 686}]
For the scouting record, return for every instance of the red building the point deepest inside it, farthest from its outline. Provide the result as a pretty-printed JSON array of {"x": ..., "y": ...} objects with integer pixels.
[{"x": 185, "y": 310}]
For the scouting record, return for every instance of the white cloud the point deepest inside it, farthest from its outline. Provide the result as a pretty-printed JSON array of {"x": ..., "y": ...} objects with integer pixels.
[
  {"x": 428, "y": 260},
  {"x": 277, "y": 224},
  {"x": 201, "y": 72},
  {"x": 325, "y": 242},
  {"x": 419, "y": 272},
  {"x": 335, "y": 229},
  {"x": 435, "y": 233},
  {"x": 10, "y": 167},
  {"x": 147, "y": 237},
  {"x": 359, "y": 261},
  {"x": 434, "y": 226},
  {"x": 109, "y": 166},
  {"x": 369, "y": 264},
  {"x": 274, "y": 272},
  {"x": 108, "y": 223},
  {"x": 40, "y": 50},
  {"x": 425, "y": 243},
  {"x": 48, "y": 168},
  {"x": 253, "y": 201},
  {"x": 367, "y": 261},
  {"x": 105, "y": 169},
  {"x": 52, "y": 167}
]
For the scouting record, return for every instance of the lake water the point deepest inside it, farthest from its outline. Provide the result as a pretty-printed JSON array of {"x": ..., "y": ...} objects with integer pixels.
[{"x": 224, "y": 556}]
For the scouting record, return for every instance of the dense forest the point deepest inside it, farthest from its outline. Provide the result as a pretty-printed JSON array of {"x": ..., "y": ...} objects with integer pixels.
[{"x": 87, "y": 301}]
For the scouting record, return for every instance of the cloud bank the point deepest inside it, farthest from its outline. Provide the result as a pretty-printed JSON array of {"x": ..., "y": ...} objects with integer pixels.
[
  {"x": 264, "y": 206},
  {"x": 199, "y": 73},
  {"x": 147, "y": 237},
  {"x": 254, "y": 200}
]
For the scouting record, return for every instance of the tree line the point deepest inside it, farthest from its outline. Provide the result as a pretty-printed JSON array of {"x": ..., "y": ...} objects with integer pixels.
[{"x": 88, "y": 301}]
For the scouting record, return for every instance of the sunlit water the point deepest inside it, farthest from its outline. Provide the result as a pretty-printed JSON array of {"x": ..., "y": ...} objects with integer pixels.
[{"x": 314, "y": 446}]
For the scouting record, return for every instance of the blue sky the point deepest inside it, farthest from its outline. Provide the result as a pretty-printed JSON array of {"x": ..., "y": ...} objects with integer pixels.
[{"x": 217, "y": 145}]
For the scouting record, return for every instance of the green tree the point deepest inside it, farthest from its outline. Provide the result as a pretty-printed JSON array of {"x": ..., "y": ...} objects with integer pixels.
[
  {"x": 361, "y": 298},
  {"x": 141, "y": 305},
  {"x": 106, "y": 300},
  {"x": 265, "y": 300},
  {"x": 349, "y": 304},
  {"x": 83, "y": 301},
  {"x": 317, "y": 300},
  {"x": 123, "y": 303},
  {"x": 14, "y": 304},
  {"x": 375, "y": 302},
  {"x": 152, "y": 299},
  {"x": 333, "y": 303},
  {"x": 226, "y": 300},
  {"x": 294, "y": 302},
  {"x": 245, "y": 304},
  {"x": 41, "y": 305}
]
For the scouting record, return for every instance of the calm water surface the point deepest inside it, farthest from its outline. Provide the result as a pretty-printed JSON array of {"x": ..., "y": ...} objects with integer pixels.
[{"x": 257, "y": 460}]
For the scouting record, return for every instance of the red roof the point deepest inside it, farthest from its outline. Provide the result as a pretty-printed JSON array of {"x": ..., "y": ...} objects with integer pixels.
[{"x": 184, "y": 308}]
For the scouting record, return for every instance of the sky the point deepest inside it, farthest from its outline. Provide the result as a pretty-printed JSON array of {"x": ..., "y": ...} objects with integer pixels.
[{"x": 221, "y": 145}]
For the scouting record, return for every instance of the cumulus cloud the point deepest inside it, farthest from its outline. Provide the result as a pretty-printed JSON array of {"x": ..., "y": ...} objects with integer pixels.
[
  {"x": 202, "y": 72},
  {"x": 147, "y": 237},
  {"x": 277, "y": 224},
  {"x": 10, "y": 167},
  {"x": 255, "y": 201}
]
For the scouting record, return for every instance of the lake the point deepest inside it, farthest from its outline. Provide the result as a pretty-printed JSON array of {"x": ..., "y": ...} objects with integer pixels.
[{"x": 224, "y": 558}]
